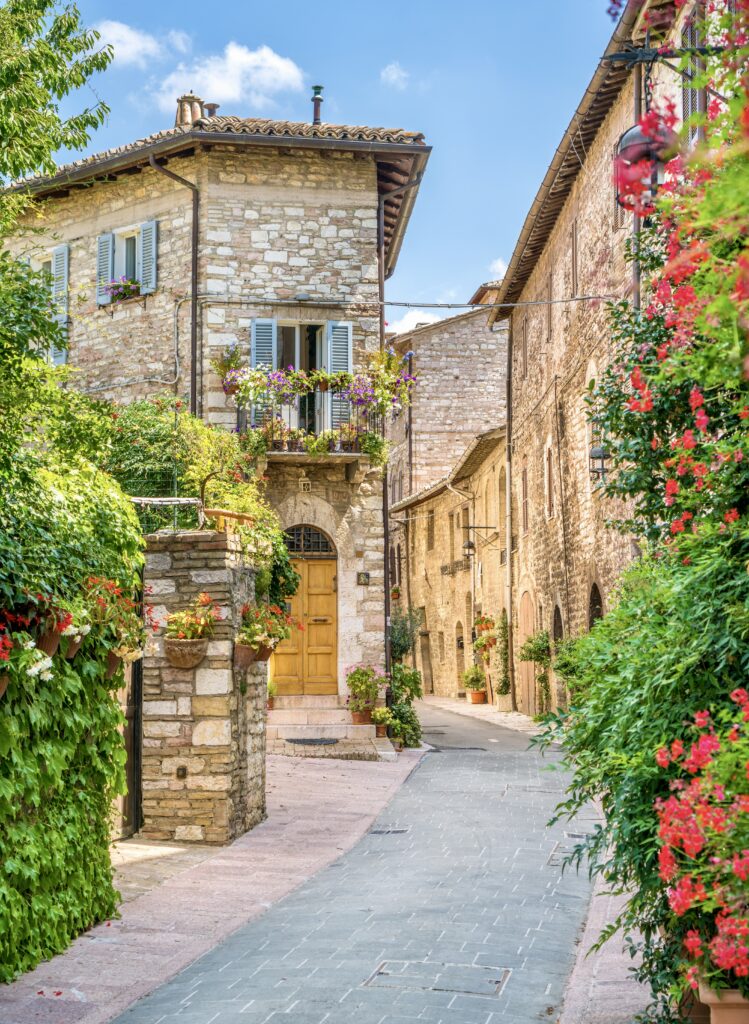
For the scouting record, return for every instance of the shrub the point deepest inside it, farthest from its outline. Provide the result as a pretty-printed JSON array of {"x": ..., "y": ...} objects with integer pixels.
[
  {"x": 363, "y": 682},
  {"x": 474, "y": 678},
  {"x": 404, "y": 627}
]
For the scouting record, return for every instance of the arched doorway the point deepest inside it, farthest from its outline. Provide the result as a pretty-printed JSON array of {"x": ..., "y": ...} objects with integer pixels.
[
  {"x": 526, "y": 627},
  {"x": 595, "y": 606},
  {"x": 307, "y": 663},
  {"x": 460, "y": 656}
]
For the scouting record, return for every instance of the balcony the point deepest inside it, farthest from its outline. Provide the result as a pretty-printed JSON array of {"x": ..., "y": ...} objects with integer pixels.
[{"x": 459, "y": 565}]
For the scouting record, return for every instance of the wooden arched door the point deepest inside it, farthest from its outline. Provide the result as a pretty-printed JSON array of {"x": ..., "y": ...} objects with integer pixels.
[
  {"x": 307, "y": 663},
  {"x": 527, "y": 670}
]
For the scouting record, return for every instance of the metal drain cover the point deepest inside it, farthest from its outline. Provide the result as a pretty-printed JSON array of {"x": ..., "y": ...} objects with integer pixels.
[
  {"x": 323, "y": 742},
  {"x": 389, "y": 831},
  {"x": 467, "y": 979}
]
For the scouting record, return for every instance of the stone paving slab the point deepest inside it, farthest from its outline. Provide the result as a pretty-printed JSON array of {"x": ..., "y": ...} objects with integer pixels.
[
  {"x": 484, "y": 713},
  {"x": 452, "y": 909},
  {"x": 181, "y": 901}
]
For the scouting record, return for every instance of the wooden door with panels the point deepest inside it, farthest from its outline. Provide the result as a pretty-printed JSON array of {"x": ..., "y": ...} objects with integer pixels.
[{"x": 307, "y": 663}]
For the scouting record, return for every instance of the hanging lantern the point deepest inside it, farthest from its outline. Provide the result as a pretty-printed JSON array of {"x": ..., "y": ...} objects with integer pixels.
[
  {"x": 598, "y": 457},
  {"x": 640, "y": 164}
]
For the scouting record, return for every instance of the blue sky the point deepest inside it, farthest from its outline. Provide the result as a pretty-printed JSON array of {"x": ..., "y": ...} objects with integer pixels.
[{"x": 491, "y": 83}]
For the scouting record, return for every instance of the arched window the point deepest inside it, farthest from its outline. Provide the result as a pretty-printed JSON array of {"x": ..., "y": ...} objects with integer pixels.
[
  {"x": 308, "y": 540},
  {"x": 557, "y": 629},
  {"x": 460, "y": 655},
  {"x": 524, "y": 511},
  {"x": 595, "y": 606}
]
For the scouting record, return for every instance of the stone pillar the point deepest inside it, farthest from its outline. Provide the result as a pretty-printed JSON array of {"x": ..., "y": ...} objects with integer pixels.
[{"x": 203, "y": 765}]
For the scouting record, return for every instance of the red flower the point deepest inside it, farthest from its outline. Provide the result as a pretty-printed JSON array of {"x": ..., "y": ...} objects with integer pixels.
[
  {"x": 740, "y": 696},
  {"x": 731, "y": 516},
  {"x": 662, "y": 757},
  {"x": 701, "y": 719},
  {"x": 695, "y": 399}
]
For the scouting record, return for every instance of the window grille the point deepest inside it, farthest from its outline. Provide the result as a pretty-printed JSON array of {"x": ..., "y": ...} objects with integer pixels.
[{"x": 306, "y": 540}]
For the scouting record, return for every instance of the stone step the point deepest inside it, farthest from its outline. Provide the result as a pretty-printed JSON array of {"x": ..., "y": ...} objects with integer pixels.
[
  {"x": 313, "y": 701},
  {"x": 341, "y": 731},
  {"x": 344, "y": 750},
  {"x": 309, "y": 716}
]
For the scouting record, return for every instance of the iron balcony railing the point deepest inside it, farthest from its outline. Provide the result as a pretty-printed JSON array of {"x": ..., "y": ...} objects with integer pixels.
[{"x": 333, "y": 421}]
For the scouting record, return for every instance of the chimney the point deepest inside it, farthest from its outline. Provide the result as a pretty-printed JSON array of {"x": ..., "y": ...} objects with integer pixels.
[
  {"x": 316, "y": 103},
  {"x": 189, "y": 110},
  {"x": 210, "y": 109}
]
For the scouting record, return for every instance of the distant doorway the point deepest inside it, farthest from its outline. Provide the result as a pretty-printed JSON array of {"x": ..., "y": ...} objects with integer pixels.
[{"x": 526, "y": 627}]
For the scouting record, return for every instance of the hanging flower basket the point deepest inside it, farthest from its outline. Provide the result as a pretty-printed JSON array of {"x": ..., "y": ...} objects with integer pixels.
[
  {"x": 185, "y": 653},
  {"x": 263, "y": 653},
  {"x": 74, "y": 645},
  {"x": 322, "y": 385},
  {"x": 4, "y": 680},
  {"x": 244, "y": 655},
  {"x": 113, "y": 663},
  {"x": 49, "y": 642}
]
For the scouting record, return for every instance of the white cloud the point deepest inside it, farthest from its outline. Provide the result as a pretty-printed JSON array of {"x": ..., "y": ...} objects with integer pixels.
[
  {"x": 498, "y": 268},
  {"x": 413, "y": 318},
  {"x": 395, "y": 76},
  {"x": 179, "y": 41},
  {"x": 131, "y": 46},
  {"x": 238, "y": 75}
]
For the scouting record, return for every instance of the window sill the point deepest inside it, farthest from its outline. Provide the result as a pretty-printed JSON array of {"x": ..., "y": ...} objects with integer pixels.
[{"x": 133, "y": 300}]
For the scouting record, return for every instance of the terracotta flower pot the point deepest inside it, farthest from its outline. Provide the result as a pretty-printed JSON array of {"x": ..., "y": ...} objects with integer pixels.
[
  {"x": 244, "y": 655},
  {"x": 277, "y": 445},
  {"x": 4, "y": 680},
  {"x": 477, "y": 696},
  {"x": 381, "y": 730},
  {"x": 185, "y": 653},
  {"x": 362, "y": 717},
  {"x": 322, "y": 385},
  {"x": 726, "y": 1007},
  {"x": 231, "y": 389},
  {"x": 263, "y": 653},
  {"x": 49, "y": 642},
  {"x": 269, "y": 703},
  {"x": 296, "y": 446},
  {"x": 74, "y": 645},
  {"x": 113, "y": 663}
]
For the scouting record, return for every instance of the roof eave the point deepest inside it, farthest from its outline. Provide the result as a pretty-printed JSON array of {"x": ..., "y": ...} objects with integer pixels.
[{"x": 404, "y": 214}]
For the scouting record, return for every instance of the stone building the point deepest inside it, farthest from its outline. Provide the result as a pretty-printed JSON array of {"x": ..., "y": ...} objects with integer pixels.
[
  {"x": 272, "y": 236},
  {"x": 453, "y": 558},
  {"x": 569, "y": 259}
]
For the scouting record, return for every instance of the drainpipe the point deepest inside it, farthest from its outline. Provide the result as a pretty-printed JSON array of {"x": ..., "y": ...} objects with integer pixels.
[
  {"x": 508, "y": 518},
  {"x": 381, "y": 288},
  {"x": 636, "y": 222},
  {"x": 193, "y": 277}
]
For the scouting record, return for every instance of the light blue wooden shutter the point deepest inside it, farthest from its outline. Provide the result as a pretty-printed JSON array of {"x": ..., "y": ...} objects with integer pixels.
[
  {"x": 59, "y": 283},
  {"x": 263, "y": 352},
  {"x": 340, "y": 360},
  {"x": 146, "y": 257},
  {"x": 104, "y": 267}
]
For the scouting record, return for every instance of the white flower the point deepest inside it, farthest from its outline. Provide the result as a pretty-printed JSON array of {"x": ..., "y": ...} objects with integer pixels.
[
  {"x": 29, "y": 645},
  {"x": 45, "y": 675},
  {"x": 85, "y": 630},
  {"x": 70, "y": 630}
]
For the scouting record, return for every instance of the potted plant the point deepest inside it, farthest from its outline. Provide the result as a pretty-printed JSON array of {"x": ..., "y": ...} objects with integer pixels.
[
  {"x": 320, "y": 379},
  {"x": 322, "y": 443},
  {"x": 375, "y": 447},
  {"x": 395, "y": 593},
  {"x": 295, "y": 439},
  {"x": 272, "y": 693},
  {"x": 382, "y": 718},
  {"x": 76, "y": 630},
  {"x": 363, "y": 683},
  {"x": 475, "y": 683},
  {"x": 122, "y": 288},
  {"x": 262, "y": 628},
  {"x": 188, "y": 632},
  {"x": 348, "y": 434},
  {"x": 227, "y": 366},
  {"x": 122, "y": 628},
  {"x": 275, "y": 432},
  {"x": 704, "y": 857}
]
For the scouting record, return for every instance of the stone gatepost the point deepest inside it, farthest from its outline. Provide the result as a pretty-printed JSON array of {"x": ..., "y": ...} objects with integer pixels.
[{"x": 203, "y": 764}]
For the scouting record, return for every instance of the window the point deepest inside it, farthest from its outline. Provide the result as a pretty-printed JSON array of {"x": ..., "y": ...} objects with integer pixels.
[
  {"x": 524, "y": 497},
  {"x": 306, "y": 540},
  {"x": 549, "y": 482},
  {"x": 595, "y": 606},
  {"x": 393, "y": 570},
  {"x": 399, "y": 565},
  {"x": 55, "y": 270},
  {"x": 573, "y": 257},
  {"x": 464, "y": 531},
  {"x": 557, "y": 631},
  {"x": 129, "y": 252},
  {"x": 502, "y": 504},
  {"x": 430, "y": 530},
  {"x": 451, "y": 535}
]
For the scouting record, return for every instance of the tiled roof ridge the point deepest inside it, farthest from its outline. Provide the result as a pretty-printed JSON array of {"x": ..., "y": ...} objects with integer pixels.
[{"x": 233, "y": 125}]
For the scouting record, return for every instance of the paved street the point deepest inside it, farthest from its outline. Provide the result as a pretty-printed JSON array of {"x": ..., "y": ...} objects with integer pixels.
[{"x": 451, "y": 909}]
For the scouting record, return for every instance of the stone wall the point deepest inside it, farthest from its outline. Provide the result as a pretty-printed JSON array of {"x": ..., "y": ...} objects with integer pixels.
[
  {"x": 345, "y": 502},
  {"x": 273, "y": 223},
  {"x": 203, "y": 758},
  {"x": 449, "y": 590},
  {"x": 566, "y": 546},
  {"x": 461, "y": 367}
]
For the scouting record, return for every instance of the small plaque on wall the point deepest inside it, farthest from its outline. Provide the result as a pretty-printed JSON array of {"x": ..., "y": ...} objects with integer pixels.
[{"x": 362, "y": 578}]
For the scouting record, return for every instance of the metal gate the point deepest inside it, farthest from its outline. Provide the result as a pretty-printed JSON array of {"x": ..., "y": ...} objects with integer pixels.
[{"x": 127, "y": 819}]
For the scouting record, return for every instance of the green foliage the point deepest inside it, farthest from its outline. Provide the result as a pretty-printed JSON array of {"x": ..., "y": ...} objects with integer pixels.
[
  {"x": 503, "y": 650},
  {"x": 474, "y": 678},
  {"x": 363, "y": 682},
  {"x": 537, "y": 648},
  {"x": 675, "y": 642},
  {"x": 45, "y": 54},
  {"x": 405, "y": 688},
  {"x": 566, "y": 666},
  {"x": 404, "y": 628},
  {"x": 376, "y": 447}
]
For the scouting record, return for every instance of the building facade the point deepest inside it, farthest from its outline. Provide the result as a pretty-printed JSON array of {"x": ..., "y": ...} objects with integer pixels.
[
  {"x": 453, "y": 561},
  {"x": 267, "y": 236},
  {"x": 568, "y": 262}
]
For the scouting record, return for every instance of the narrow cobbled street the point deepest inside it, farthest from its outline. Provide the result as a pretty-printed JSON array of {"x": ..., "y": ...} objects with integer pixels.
[{"x": 453, "y": 908}]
